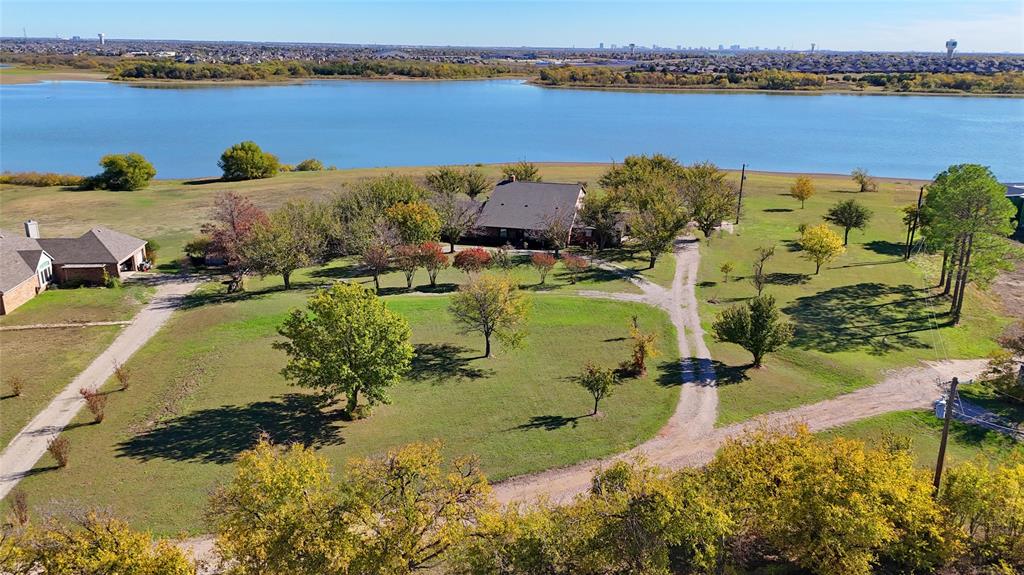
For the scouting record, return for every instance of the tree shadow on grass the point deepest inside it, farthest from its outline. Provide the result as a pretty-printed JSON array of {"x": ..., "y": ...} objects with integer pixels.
[
  {"x": 437, "y": 289},
  {"x": 219, "y": 434},
  {"x": 340, "y": 272},
  {"x": 548, "y": 422},
  {"x": 870, "y": 317},
  {"x": 787, "y": 279},
  {"x": 674, "y": 373},
  {"x": 205, "y": 298},
  {"x": 730, "y": 374},
  {"x": 439, "y": 362},
  {"x": 777, "y": 210},
  {"x": 885, "y": 248}
]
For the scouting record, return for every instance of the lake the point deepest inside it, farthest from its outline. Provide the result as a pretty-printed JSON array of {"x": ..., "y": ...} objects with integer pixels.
[{"x": 67, "y": 126}]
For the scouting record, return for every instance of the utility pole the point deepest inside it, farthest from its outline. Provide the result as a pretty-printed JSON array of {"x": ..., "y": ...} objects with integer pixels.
[
  {"x": 947, "y": 417},
  {"x": 913, "y": 227},
  {"x": 739, "y": 201}
]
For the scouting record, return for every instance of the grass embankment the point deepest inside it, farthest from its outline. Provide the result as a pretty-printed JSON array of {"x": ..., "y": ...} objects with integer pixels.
[
  {"x": 924, "y": 431},
  {"x": 866, "y": 312},
  {"x": 209, "y": 382},
  {"x": 31, "y": 75},
  {"x": 46, "y": 360}
]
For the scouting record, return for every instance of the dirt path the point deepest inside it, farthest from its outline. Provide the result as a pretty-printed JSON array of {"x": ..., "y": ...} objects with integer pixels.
[{"x": 25, "y": 450}]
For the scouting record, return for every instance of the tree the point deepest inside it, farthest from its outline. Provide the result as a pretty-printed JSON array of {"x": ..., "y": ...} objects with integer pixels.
[
  {"x": 655, "y": 228},
  {"x": 601, "y": 214},
  {"x": 864, "y": 180},
  {"x": 575, "y": 265},
  {"x": 415, "y": 222},
  {"x": 645, "y": 346},
  {"x": 966, "y": 213},
  {"x": 278, "y": 514},
  {"x": 234, "y": 218},
  {"x": 122, "y": 172},
  {"x": 377, "y": 259},
  {"x": 556, "y": 231},
  {"x": 820, "y": 245},
  {"x": 848, "y": 214},
  {"x": 543, "y": 263},
  {"x": 409, "y": 508},
  {"x": 346, "y": 341},
  {"x": 246, "y": 161},
  {"x": 637, "y": 171},
  {"x": 984, "y": 502},
  {"x": 360, "y": 212},
  {"x": 309, "y": 165},
  {"x": 521, "y": 171},
  {"x": 446, "y": 181},
  {"x": 408, "y": 259},
  {"x": 756, "y": 326},
  {"x": 457, "y": 216},
  {"x": 294, "y": 236},
  {"x": 472, "y": 260},
  {"x": 802, "y": 189},
  {"x": 90, "y": 542},
  {"x": 491, "y": 305},
  {"x": 477, "y": 182},
  {"x": 599, "y": 381},
  {"x": 707, "y": 195},
  {"x": 760, "y": 278},
  {"x": 726, "y": 269},
  {"x": 432, "y": 258}
]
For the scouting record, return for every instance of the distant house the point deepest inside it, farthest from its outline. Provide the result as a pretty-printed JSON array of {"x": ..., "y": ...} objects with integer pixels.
[
  {"x": 1015, "y": 193},
  {"x": 519, "y": 212},
  {"x": 29, "y": 263}
]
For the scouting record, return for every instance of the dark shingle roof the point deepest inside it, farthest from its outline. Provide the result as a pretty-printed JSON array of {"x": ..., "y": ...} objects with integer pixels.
[
  {"x": 19, "y": 258},
  {"x": 1015, "y": 190},
  {"x": 529, "y": 205},
  {"x": 98, "y": 245}
]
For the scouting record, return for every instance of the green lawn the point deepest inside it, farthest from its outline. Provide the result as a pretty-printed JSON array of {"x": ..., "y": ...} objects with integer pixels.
[
  {"x": 46, "y": 360},
  {"x": 866, "y": 312},
  {"x": 925, "y": 432},
  {"x": 209, "y": 382}
]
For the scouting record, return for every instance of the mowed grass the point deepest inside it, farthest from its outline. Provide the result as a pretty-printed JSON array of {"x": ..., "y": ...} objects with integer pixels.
[
  {"x": 924, "y": 431},
  {"x": 867, "y": 312},
  {"x": 46, "y": 360},
  {"x": 208, "y": 383}
]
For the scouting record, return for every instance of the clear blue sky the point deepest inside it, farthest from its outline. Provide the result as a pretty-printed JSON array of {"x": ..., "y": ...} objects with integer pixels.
[{"x": 833, "y": 24}]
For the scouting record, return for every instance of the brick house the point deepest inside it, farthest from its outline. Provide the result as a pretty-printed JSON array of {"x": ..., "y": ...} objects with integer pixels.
[
  {"x": 518, "y": 212},
  {"x": 29, "y": 263}
]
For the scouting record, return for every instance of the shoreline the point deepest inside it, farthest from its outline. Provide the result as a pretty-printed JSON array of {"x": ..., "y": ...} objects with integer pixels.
[
  {"x": 797, "y": 92},
  {"x": 71, "y": 75}
]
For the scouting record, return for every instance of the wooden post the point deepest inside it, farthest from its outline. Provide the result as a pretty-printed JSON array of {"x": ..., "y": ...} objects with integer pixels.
[
  {"x": 913, "y": 227},
  {"x": 739, "y": 201},
  {"x": 947, "y": 417}
]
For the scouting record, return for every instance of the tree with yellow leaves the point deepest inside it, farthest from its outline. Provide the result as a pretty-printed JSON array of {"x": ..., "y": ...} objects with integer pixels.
[
  {"x": 802, "y": 189},
  {"x": 491, "y": 305},
  {"x": 821, "y": 245}
]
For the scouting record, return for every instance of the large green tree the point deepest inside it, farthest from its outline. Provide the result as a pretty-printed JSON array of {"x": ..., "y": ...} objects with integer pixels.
[
  {"x": 656, "y": 227},
  {"x": 247, "y": 161},
  {"x": 346, "y": 341},
  {"x": 708, "y": 197},
  {"x": 756, "y": 326},
  {"x": 966, "y": 214},
  {"x": 491, "y": 305},
  {"x": 522, "y": 171},
  {"x": 294, "y": 236},
  {"x": 123, "y": 172},
  {"x": 848, "y": 214}
]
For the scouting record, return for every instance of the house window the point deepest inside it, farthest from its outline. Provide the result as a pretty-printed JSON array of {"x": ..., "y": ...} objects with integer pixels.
[{"x": 503, "y": 233}]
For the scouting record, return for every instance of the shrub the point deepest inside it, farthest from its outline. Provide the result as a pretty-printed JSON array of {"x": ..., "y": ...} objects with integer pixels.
[
  {"x": 543, "y": 263},
  {"x": 60, "y": 448},
  {"x": 110, "y": 281},
  {"x": 197, "y": 249},
  {"x": 726, "y": 269},
  {"x": 247, "y": 161},
  {"x": 19, "y": 506},
  {"x": 96, "y": 402},
  {"x": 122, "y": 374},
  {"x": 502, "y": 258},
  {"x": 41, "y": 179},
  {"x": 472, "y": 260},
  {"x": 575, "y": 265},
  {"x": 17, "y": 385},
  {"x": 152, "y": 247},
  {"x": 122, "y": 173},
  {"x": 433, "y": 258},
  {"x": 310, "y": 165}
]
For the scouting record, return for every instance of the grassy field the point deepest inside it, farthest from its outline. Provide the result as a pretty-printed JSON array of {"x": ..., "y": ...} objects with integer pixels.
[
  {"x": 48, "y": 359},
  {"x": 925, "y": 432},
  {"x": 209, "y": 382},
  {"x": 867, "y": 312}
]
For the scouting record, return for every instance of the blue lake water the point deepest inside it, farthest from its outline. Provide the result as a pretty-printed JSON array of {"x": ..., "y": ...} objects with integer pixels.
[{"x": 67, "y": 126}]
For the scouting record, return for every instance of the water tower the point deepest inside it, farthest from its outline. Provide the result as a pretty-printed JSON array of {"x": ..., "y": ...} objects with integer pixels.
[
  {"x": 102, "y": 38},
  {"x": 950, "y": 46}
]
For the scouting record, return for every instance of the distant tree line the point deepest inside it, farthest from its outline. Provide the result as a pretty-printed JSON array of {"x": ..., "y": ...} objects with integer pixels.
[
  {"x": 165, "y": 70},
  {"x": 999, "y": 83}
]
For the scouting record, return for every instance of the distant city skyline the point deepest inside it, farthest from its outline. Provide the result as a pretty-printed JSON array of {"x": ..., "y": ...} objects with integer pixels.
[{"x": 910, "y": 25}]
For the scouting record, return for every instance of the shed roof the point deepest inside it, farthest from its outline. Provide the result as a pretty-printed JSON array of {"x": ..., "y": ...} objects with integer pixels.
[
  {"x": 1015, "y": 190},
  {"x": 529, "y": 205}
]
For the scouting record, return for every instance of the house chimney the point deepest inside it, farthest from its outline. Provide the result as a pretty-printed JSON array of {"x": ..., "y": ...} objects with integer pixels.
[{"x": 32, "y": 229}]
